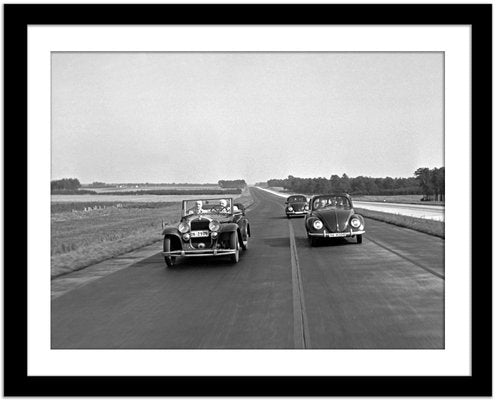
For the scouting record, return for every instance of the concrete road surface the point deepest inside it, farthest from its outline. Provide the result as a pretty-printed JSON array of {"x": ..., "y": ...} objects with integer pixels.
[{"x": 387, "y": 292}]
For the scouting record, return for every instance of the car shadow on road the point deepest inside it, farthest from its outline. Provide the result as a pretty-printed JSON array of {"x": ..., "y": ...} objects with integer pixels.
[
  {"x": 328, "y": 242},
  {"x": 218, "y": 262},
  {"x": 189, "y": 262}
]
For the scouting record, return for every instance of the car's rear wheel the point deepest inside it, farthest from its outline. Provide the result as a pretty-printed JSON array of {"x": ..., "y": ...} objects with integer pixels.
[
  {"x": 359, "y": 239},
  {"x": 234, "y": 245},
  {"x": 169, "y": 261}
]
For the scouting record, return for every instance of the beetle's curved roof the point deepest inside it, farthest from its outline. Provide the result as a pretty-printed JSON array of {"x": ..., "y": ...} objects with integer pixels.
[{"x": 331, "y": 194}]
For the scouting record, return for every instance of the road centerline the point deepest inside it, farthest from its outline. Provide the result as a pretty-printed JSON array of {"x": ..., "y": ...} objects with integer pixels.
[{"x": 301, "y": 333}]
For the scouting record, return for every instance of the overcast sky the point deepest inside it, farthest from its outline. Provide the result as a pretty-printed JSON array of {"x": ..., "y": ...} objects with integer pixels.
[{"x": 201, "y": 117}]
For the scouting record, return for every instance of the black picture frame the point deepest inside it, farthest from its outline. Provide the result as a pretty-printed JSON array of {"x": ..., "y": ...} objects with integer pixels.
[{"x": 17, "y": 17}]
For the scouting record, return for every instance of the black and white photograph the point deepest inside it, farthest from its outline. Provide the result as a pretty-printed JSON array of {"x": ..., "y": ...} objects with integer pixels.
[{"x": 245, "y": 200}]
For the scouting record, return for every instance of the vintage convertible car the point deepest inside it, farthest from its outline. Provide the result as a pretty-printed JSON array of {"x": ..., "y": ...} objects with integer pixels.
[
  {"x": 208, "y": 227},
  {"x": 296, "y": 205},
  {"x": 331, "y": 216}
]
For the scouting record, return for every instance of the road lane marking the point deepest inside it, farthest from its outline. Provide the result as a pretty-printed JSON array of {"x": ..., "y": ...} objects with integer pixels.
[
  {"x": 300, "y": 320},
  {"x": 406, "y": 258}
]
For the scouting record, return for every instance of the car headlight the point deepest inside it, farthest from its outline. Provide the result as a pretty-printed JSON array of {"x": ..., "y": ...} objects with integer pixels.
[
  {"x": 290, "y": 208},
  {"x": 317, "y": 224},
  {"x": 214, "y": 226},
  {"x": 186, "y": 237},
  {"x": 214, "y": 235},
  {"x": 306, "y": 208},
  {"x": 355, "y": 222},
  {"x": 183, "y": 227}
]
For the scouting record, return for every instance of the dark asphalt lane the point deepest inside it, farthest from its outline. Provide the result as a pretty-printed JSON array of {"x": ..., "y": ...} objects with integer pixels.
[{"x": 387, "y": 292}]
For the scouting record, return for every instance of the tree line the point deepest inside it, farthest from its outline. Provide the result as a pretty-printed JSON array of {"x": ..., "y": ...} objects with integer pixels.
[
  {"x": 232, "y": 184},
  {"x": 65, "y": 184},
  {"x": 426, "y": 182},
  {"x": 431, "y": 183}
]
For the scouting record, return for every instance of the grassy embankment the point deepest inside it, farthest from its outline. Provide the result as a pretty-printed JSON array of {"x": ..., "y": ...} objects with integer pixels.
[
  {"x": 402, "y": 199},
  {"x": 83, "y": 238},
  {"x": 431, "y": 227}
]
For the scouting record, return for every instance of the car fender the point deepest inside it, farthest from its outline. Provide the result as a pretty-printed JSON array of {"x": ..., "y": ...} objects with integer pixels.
[
  {"x": 309, "y": 222},
  {"x": 359, "y": 217},
  {"x": 171, "y": 231},
  {"x": 229, "y": 227}
]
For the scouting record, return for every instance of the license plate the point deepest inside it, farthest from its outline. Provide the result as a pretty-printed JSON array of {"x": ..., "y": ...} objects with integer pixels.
[
  {"x": 339, "y": 234},
  {"x": 197, "y": 234}
]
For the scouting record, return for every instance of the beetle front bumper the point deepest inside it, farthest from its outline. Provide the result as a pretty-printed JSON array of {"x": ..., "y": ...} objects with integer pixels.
[
  {"x": 299, "y": 213},
  {"x": 199, "y": 253},
  {"x": 326, "y": 234}
]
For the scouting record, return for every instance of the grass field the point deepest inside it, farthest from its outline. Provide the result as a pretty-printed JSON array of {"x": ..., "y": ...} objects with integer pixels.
[
  {"x": 431, "y": 227},
  {"x": 82, "y": 238}
]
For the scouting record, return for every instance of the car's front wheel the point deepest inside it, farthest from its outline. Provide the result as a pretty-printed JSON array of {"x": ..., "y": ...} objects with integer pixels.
[
  {"x": 234, "y": 245},
  {"x": 169, "y": 261},
  {"x": 244, "y": 239},
  {"x": 359, "y": 239}
]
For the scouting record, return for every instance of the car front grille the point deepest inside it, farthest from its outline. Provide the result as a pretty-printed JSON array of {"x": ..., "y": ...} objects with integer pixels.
[{"x": 199, "y": 225}]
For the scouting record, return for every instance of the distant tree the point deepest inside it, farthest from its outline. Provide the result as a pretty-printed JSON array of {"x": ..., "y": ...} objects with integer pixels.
[
  {"x": 358, "y": 185},
  {"x": 345, "y": 183},
  {"x": 65, "y": 184},
  {"x": 437, "y": 182},
  {"x": 97, "y": 184},
  {"x": 335, "y": 183},
  {"x": 424, "y": 178}
]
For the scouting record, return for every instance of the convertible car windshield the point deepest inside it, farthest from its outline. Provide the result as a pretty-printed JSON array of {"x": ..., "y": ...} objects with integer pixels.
[
  {"x": 208, "y": 206},
  {"x": 331, "y": 202}
]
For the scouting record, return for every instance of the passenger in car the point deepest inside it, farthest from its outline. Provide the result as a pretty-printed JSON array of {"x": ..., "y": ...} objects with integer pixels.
[{"x": 197, "y": 208}]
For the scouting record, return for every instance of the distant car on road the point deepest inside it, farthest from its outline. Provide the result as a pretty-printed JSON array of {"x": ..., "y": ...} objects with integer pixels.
[
  {"x": 296, "y": 205},
  {"x": 208, "y": 227},
  {"x": 331, "y": 216}
]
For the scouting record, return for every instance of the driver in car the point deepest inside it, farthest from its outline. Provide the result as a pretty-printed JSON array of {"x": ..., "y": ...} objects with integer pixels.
[
  {"x": 320, "y": 204},
  {"x": 224, "y": 208}
]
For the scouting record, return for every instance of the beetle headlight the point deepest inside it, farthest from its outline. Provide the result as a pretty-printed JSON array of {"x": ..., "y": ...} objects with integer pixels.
[
  {"x": 183, "y": 227},
  {"x": 355, "y": 222},
  {"x": 290, "y": 208},
  {"x": 214, "y": 226},
  {"x": 317, "y": 224}
]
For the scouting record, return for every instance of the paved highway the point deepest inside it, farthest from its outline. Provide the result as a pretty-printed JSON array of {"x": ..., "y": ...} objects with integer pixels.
[{"x": 387, "y": 292}]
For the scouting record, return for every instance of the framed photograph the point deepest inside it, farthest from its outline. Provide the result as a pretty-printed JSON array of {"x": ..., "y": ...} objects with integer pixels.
[{"x": 247, "y": 200}]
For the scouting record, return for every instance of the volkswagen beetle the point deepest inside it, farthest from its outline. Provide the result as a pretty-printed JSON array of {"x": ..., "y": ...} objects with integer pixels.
[
  {"x": 331, "y": 216},
  {"x": 296, "y": 205},
  {"x": 208, "y": 227}
]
